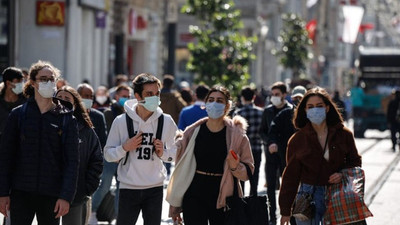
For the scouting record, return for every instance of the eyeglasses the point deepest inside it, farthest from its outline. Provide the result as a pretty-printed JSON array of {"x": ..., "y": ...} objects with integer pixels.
[{"x": 46, "y": 79}]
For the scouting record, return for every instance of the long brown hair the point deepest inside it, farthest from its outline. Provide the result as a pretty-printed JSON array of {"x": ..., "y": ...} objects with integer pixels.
[
  {"x": 333, "y": 116},
  {"x": 79, "y": 112},
  {"x": 29, "y": 91}
]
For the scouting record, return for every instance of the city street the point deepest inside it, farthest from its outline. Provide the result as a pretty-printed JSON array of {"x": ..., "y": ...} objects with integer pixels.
[{"x": 382, "y": 171}]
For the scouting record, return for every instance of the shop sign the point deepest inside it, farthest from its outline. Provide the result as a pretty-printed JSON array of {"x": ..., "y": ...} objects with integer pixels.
[{"x": 50, "y": 13}]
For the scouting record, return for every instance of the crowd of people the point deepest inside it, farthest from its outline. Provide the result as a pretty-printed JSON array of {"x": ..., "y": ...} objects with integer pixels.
[{"x": 61, "y": 148}]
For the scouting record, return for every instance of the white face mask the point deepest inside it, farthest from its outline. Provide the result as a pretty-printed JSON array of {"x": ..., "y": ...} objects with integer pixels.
[
  {"x": 87, "y": 103},
  {"x": 276, "y": 100},
  {"x": 47, "y": 90},
  {"x": 101, "y": 99},
  {"x": 18, "y": 88}
]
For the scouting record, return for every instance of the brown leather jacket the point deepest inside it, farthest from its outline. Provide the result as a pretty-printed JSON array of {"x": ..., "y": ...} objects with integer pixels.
[{"x": 306, "y": 164}]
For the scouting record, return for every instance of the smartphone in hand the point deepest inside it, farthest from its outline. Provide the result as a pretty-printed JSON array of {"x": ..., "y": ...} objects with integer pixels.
[{"x": 233, "y": 154}]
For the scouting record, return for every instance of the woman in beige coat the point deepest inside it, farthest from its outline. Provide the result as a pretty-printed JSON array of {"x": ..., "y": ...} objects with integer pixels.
[{"x": 203, "y": 176}]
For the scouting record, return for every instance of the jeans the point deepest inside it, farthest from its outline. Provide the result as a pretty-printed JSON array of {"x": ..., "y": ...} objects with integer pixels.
[
  {"x": 24, "y": 206},
  {"x": 76, "y": 215},
  {"x": 319, "y": 199},
  {"x": 109, "y": 171},
  {"x": 149, "y": 201}
]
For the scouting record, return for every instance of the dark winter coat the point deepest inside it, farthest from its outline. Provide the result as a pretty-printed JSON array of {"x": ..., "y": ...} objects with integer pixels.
[
  {"x": 90, "y": 166},
  {"x": 38, "y": 154}
]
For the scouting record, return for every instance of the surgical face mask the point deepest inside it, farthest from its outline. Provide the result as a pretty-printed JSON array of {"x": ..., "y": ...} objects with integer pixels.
[
  {"x": 276, "y": 100},
  {"x": 87, "y": 103},
  {"x": 151, "y": 103},
  {"x": 316, "y": 115},
  {"x": 18, "y": 88},
  {"x": 47, "y": 89},
  {"x": 122, "y": 101},
  {"x": 101, "y": 99},
  {"x": 215, "y": 110}
]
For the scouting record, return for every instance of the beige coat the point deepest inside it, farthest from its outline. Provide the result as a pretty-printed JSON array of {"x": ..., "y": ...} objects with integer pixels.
[{"x": 236, "y": 140}]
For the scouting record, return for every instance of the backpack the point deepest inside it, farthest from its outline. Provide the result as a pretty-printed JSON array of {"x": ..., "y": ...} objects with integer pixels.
[{"x": 131, "y": 132}]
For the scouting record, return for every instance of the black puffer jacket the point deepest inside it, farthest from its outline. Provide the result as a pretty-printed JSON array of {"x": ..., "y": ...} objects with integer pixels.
[
  {"x": 39, "y": 154},
  {"x": 90, "y": 166}
]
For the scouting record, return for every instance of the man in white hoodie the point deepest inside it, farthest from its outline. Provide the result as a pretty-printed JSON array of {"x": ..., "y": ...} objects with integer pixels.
[{"x": 141, "y": 172}]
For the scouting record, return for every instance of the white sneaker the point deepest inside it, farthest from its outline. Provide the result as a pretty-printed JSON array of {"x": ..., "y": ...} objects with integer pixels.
[{"x": 93, "y": 219}]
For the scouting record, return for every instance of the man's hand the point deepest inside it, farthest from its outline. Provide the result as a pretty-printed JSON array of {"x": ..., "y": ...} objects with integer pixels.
[
  {"x": 159, "y": 146},
  {"x": 133, "y": 143},
  {"x": 4, "y": 205},
  {"x": 61, "y": 208},
  {"x": 273, "y": 148}
]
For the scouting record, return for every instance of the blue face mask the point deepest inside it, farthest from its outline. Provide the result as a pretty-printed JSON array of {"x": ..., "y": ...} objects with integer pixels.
[
  {"x": 122, "y": 101},
  {"x": 215, "y": 110},
  {"x": 316, "y": 115},
  {"x": 151, "y": 103}
]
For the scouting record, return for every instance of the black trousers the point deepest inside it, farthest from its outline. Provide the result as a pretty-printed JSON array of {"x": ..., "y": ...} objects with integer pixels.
[
  {"x": 149, "y": 201},
  {"x": 274, "y": 171},
  {"x": 257, "y": 163},
  {"x": 24, "y": 206},
  {"x": 200, "y": 201}
]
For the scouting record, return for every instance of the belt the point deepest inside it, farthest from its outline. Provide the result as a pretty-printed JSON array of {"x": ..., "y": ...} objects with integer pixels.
[{"x": 209, "y": 174}]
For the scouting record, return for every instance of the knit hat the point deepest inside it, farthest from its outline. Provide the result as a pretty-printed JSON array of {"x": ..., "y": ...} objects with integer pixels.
[{"x": 298, "y": 91}]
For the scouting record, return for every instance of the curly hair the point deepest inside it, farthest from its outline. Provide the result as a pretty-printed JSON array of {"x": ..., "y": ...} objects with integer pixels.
[{"x": 34, "y": 70}]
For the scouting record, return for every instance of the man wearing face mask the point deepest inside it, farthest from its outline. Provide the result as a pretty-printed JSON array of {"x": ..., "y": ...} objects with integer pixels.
[
  {"x": 278, "y": 103},
  {"x": 280, "y": 131},
  {"x": 122, "y": 94},
  {"x": 141, "y": 172},
  {"x": 39, "y": 153},
  {"x": 11, "y": 95}
]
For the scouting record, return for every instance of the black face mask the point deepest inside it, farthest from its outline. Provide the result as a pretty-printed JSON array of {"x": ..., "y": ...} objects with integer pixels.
[{"x": 295, "y": 102}]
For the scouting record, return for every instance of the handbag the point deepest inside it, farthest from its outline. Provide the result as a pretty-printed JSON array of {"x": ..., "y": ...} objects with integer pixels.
[
  {"x": 249, "y": 210},
  {"x": 345, "y": 200},
  {"x": 304, "y": 208}
]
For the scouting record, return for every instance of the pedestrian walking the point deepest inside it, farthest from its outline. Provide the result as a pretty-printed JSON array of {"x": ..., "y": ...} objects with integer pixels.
[
  {"x": 192, "y": 113},
  {"x": 39, "y": 153},
  {"x": 102, "y": 99},
  {"x": 11, "y": 95},
  {"x": 253, "y": 116},
  {"x": 90, "y": 162},
  {"x": 316, "y": 154},
  {"x": 393, "y": 119},
  {"x": 205, "y": 168},
  {"x": 141, "y": 153},
  {"x": 122, "y": 94},
  {"x": 278, "y": 103}
]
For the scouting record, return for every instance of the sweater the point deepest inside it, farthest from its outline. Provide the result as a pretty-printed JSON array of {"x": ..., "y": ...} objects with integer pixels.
[
  {"x": 306, "y": 163},
  {"x": 236, "y": 140},
  {"x": 143, "y": 168}
]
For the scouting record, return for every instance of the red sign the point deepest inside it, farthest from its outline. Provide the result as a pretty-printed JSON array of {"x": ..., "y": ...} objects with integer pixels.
[
  {"x": 311, "y": 27},
  {"x": 50, "y": 13}
]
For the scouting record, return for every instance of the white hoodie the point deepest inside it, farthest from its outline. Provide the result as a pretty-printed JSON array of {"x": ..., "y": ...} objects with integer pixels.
[{"x": 143, "y": 168}]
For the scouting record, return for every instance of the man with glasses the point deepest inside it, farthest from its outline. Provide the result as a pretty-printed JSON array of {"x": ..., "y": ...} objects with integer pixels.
[{"x": 39, "y": 153}]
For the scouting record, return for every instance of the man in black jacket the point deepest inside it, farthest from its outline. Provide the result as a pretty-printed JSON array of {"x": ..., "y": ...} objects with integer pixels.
[
  {"x": 39, "y": 154},
  {"x": 278, "y": 103}
]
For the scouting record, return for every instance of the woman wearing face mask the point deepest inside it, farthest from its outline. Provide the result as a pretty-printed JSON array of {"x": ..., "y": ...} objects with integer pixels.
[
  {"x": 204, "y": 172},
  {"x": 102, "y": 99},
  {"x": 91, "y": 159},
  {"x": 316, "y": 154},
  {"x": 39, "y": 153}
]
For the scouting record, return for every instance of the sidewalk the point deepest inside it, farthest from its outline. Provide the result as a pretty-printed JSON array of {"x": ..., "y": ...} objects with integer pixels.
[{"x": 385, "y": 206}]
